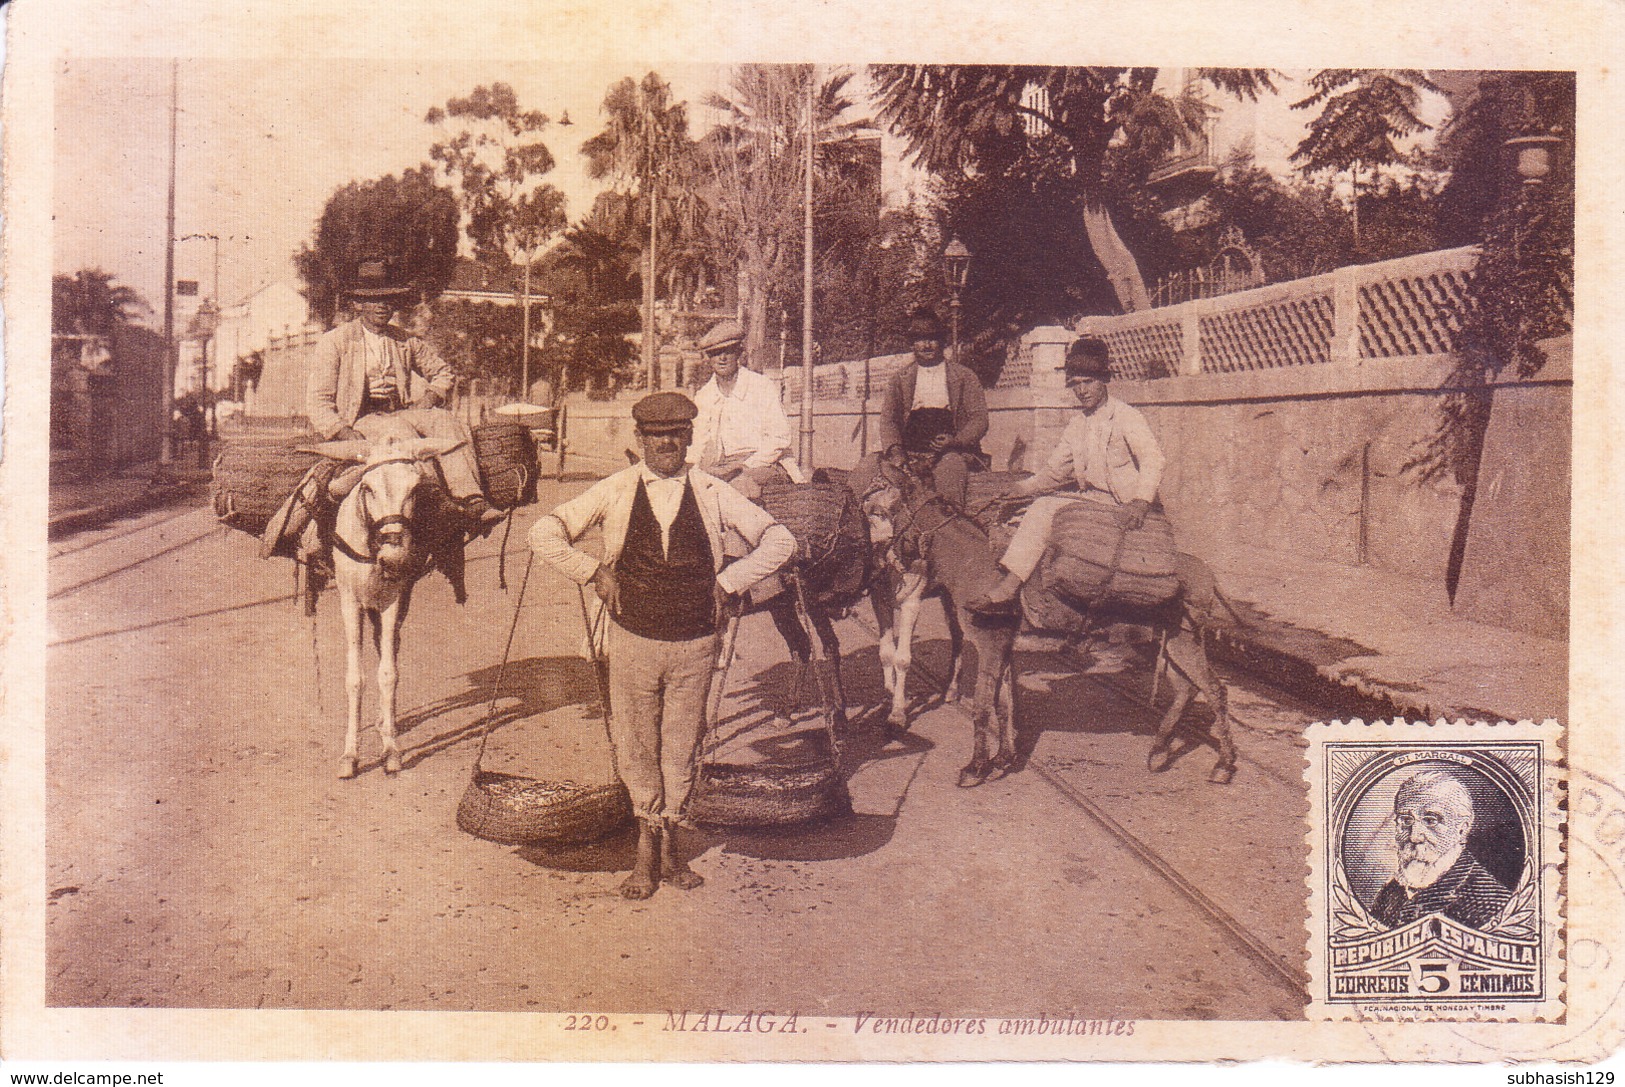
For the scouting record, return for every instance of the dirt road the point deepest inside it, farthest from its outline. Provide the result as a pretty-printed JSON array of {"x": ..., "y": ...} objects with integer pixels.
[{"x": 202, "y": 853}]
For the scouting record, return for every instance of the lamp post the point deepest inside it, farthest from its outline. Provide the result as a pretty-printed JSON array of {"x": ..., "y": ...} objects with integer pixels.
[{"x": 956, "y": 268}]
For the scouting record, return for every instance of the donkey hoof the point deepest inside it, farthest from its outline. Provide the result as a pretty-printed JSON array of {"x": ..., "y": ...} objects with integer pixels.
[
  {"x": 347, "y": 767},
  {"x": 1158, "y": 762},
  {"x": 974, "y": 774},
  {"x": 392, "y": 762},
  {"x": 1221, "y": 774}
]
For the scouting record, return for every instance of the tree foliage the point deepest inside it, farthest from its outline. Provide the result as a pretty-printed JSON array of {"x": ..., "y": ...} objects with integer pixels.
[
  {"x": 754, "y": 178},
  {"x": 92, "y": 303},
  {"x": 409, "y": 220},
  {"x": 1363, "y": 114},
  {"x": 1044, "y": 150},
  {"x": 497, "y": 161}
]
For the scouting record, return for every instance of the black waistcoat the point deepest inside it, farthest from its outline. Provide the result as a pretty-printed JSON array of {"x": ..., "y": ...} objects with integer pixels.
[{"x": 667, "y": 596}]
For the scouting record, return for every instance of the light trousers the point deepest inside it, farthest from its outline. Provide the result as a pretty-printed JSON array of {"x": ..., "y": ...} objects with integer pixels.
[
  {"x": 657, "y": 696},
  {"x": 460, "y": 467},
  {"x": 1027, "y": 546}
]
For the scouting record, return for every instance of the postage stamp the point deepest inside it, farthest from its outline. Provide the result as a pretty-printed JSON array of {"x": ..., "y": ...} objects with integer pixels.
[{"x": 1436, "y": 870}]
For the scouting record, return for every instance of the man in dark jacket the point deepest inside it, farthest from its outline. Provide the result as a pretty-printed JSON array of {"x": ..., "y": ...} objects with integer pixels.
[
  {"x": 1433, "y": 813},
  {"x": 936, "y": 407}
]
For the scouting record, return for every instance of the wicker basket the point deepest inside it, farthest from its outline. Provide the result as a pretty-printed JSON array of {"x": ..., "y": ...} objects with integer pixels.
[
  {"x": 832, "y": 538},
  {"x": 253, "y": 477},
  {"x": 507, "y": 457},
  {"x": 517, "y": 810},
  {"x": 772, "y": 794}
]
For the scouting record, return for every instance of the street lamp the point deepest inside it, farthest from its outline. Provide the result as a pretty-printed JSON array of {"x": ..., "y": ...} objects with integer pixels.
[
  {"x": 1534, "y": 155},
  {"x": 956, "y": 268}
]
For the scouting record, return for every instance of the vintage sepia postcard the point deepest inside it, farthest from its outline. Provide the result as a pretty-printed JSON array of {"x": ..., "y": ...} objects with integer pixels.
[{"x": 847, "y": 532}]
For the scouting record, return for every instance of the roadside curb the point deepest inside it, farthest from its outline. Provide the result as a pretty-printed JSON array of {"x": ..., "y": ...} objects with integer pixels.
[{"x": 158, "y": 494}]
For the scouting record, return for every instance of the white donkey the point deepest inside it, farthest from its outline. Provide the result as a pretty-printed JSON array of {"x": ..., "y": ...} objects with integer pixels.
[{"x": 384, "y": 540}]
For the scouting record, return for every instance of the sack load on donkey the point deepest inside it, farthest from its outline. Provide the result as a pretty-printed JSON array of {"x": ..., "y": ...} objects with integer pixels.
[
  {"x": 1094, "y": 562},
  {"x": 287, "y": 492},
  {"x": 833, "y": 557}
]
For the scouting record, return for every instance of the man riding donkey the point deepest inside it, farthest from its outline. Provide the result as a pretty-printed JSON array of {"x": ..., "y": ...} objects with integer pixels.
[
  {"x": 665, "y": 582},
  {"x": 1107, "y": 450},
  {"x": 932, "y": 410},
  {"x": 359, "y": 390},
  {"x": 741, "y": 434}
]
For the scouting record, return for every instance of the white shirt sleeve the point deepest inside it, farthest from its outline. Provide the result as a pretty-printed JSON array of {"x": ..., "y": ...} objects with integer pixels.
[
  {"x": 772, "y": 543},
  {"x": 552, "y": 538}
]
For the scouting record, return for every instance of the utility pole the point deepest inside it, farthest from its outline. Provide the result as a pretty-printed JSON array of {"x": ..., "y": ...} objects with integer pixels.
[
  {"x": 806, "y": 450},
  {"x": 166, "y": 453}
]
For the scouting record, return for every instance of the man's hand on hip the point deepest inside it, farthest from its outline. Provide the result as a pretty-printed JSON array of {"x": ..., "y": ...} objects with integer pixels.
[
  {"x": 349, "y": 434},
  {"x": 429, "y": 399},
  {"x": 608, "y": 589},
  {"x": 728, "y": 605}
]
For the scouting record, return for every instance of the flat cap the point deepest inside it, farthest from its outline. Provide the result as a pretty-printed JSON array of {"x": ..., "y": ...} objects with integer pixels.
[
  {"x": 723, "y": 335},
  {"x": 664, "y": 411},
  {"x": 1089, "y": 357}
]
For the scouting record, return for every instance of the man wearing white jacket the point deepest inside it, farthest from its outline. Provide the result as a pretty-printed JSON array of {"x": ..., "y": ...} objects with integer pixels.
[{"x": 742, "y": 434}]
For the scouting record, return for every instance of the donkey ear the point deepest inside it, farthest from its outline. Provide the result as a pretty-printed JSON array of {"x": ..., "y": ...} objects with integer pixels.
[
  {"x": 351, "y": 449},
  {"x": 428, "y": 448}
]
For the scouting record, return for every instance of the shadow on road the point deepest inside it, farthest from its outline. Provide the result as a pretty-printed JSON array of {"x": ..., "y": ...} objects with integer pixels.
[
  {"x": 1057, "y": 697},
  {"x": 532, "y": 686}
]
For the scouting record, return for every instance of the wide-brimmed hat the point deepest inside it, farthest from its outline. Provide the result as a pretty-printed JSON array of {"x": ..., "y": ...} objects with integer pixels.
[
  {"x": 723, "y": 335},
  {"x": 664, "y": 411},
  {"x": 1089, "y": 357},
  {"x": 923, "y": 324},
  {"x": 375, "y": 277}
]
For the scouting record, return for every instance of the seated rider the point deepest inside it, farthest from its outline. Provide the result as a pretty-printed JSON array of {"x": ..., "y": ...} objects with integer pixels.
[
  {"x": 1108, "y": 450},
  {"x": 742, "y": 434},
  {"x": 935, "y": 406},
  {"x": 359, "y": 384}
]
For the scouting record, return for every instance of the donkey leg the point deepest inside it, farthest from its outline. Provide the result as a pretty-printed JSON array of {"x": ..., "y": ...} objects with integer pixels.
[
  {"x": 1004, "y": 681},
  {"x": 354, "y": 641},
  {"x": 389, "y": 622},
  {"x": 908, "y": 614},
  {"x": 1189, "y": 665},
  {"x": 1225, "y": 768},
  {"x": 783, "y": 611},
  {"x": 832, "y": 650},
  {"x": 1182, "y": 690},
  {"x": 956, "y": 651}
]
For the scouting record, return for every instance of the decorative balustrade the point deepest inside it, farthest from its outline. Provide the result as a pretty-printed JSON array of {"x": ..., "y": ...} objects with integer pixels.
[
  {"x": 1402, "y": 308},
  {"x": 1398, "y": 308}
]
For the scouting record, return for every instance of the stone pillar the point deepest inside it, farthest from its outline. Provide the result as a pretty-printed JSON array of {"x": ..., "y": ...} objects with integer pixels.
[
  {"x": 1048, "y": 344},
  {"x": 1346, "y": 316}
]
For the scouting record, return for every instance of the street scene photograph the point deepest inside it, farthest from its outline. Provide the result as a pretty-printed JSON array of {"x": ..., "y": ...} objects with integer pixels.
[{"x": 838, "y": 550}]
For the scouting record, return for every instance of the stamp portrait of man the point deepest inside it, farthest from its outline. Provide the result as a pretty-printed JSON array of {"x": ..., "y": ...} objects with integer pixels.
[{"x": 1433, "y": 814}]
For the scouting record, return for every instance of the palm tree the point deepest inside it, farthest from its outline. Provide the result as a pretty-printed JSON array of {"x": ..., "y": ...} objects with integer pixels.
[
  {"x": 755, "y": 162},
  {"x": 1069, "y": 126},
  {"x": 644, "y": 142},
  {"x": 91, "y": 302}
]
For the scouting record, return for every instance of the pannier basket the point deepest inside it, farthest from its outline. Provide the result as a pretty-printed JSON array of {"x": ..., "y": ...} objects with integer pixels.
[
  {"x": 516, "y": 810},
  {"x": 506, "y": 453}
]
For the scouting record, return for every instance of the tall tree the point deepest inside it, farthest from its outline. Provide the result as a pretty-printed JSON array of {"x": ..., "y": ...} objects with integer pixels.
[
  {"x": 91, "y": 303},
  {"x": 644, "y": 144},
  {"x": 754, "y": 162},
  {"x": 409, "y": 220},
  {"x": 498, "y": 160},
  {"x": 1364, "y": 115},
  {"x": 1070, "y": 130}
]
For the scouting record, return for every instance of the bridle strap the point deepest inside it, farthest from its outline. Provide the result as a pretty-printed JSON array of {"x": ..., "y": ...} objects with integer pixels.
[{"x": 378, "y": 529}]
